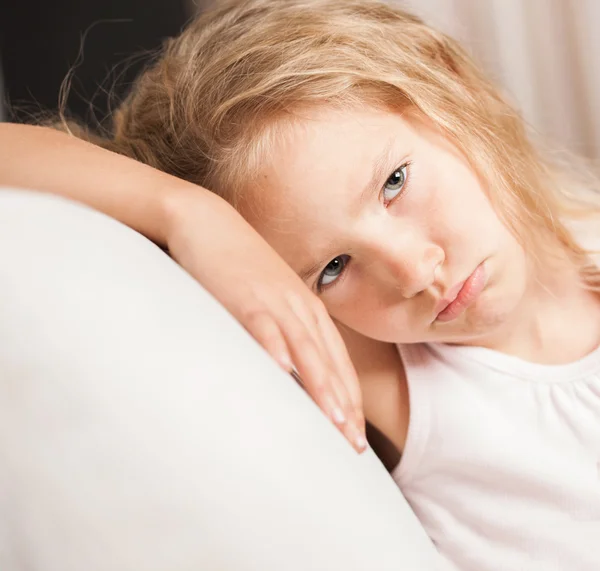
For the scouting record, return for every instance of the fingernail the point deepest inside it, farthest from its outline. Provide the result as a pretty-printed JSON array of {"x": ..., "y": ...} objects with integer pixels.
[
  {"x": 338, "y": 415},
  {"x": 360, "y": 443}
]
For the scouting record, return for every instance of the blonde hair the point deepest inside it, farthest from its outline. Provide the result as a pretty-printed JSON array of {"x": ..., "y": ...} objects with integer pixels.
[{"x": 206, "y": 109}]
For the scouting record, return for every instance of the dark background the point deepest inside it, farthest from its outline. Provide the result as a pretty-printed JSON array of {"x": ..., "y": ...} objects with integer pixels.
[{"x": 40, "y": 41}]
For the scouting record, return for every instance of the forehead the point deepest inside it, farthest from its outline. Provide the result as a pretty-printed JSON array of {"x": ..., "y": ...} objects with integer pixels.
[{"x": 319, "y": 156}]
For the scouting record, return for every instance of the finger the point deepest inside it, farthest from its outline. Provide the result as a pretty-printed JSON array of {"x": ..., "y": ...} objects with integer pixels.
[
  {"x": 339, "y": 353},
  {"x": 319, "y": 381},
  {"x": 306, "y": 315},
  {"x": 345, "y": 385},
  {"x": 262, "y": 326},
  {"x": 312, "y": 374},
  {"x": 266, "y": 331}
]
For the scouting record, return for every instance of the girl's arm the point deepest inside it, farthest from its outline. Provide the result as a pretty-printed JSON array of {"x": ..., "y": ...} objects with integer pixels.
[
  {"x": 206, "y": 236},
  {"x": 47, "y": 160}
]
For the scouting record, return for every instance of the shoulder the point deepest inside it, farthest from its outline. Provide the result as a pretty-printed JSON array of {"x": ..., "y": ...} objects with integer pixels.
[{"x": 383, "y": 384}]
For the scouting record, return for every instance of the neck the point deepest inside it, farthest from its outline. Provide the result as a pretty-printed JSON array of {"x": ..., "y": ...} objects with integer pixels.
[{"x": 558, "y": 321}]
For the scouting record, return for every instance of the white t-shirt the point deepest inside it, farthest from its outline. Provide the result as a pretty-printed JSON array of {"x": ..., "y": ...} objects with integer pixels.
[{"x": 502, "y": 458}]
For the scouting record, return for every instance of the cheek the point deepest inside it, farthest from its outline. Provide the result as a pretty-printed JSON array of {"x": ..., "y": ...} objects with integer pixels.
[
  {"x": 390, "y": 326},
  {"x": 367, "y": 311},
  {"x": 461, "y": 215}
]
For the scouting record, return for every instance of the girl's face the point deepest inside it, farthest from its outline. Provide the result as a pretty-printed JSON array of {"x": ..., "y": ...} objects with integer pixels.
[{"x": 387, "y": 223}]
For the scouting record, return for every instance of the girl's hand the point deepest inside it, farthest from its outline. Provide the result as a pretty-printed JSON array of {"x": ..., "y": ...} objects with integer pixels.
[{"x": 212, "y": 241}]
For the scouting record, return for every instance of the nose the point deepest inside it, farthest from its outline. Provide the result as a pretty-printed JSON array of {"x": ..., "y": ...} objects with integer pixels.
[{"x": 411, "y": 268}]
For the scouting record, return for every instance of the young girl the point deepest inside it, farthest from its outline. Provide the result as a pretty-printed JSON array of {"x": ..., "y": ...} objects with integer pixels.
[{"x": 368, "y": 153}]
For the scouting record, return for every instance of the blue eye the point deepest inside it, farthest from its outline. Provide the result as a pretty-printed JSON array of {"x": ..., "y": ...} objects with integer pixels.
[
  {"x": 333, "y": 270},
  {"x": 394, "y": 184}
]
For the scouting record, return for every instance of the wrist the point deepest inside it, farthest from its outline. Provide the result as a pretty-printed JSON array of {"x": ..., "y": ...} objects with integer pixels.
[{"x": 186, "y": 203}]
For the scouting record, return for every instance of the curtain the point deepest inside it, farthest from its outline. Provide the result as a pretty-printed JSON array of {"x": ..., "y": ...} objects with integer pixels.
[{"x": 544, "y": 53}]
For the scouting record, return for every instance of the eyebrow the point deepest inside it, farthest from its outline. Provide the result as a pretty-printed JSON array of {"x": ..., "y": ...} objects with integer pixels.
[
  {"x": 382, "y": 162},
  {"x": 379, "y": 172}
]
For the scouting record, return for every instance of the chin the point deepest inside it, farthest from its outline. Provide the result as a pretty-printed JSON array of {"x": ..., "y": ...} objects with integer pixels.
[{"x": 484, "y": 318}]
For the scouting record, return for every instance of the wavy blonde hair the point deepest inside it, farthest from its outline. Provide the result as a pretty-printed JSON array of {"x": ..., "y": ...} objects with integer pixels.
[{"x": 206, "y": 110}]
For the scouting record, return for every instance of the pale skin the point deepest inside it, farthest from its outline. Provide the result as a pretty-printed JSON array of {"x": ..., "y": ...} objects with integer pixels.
[{"x": 408, "y": 242}]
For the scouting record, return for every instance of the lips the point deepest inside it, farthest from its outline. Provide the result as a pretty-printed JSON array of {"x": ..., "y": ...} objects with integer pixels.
[{"x": 461, "y": 296}]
